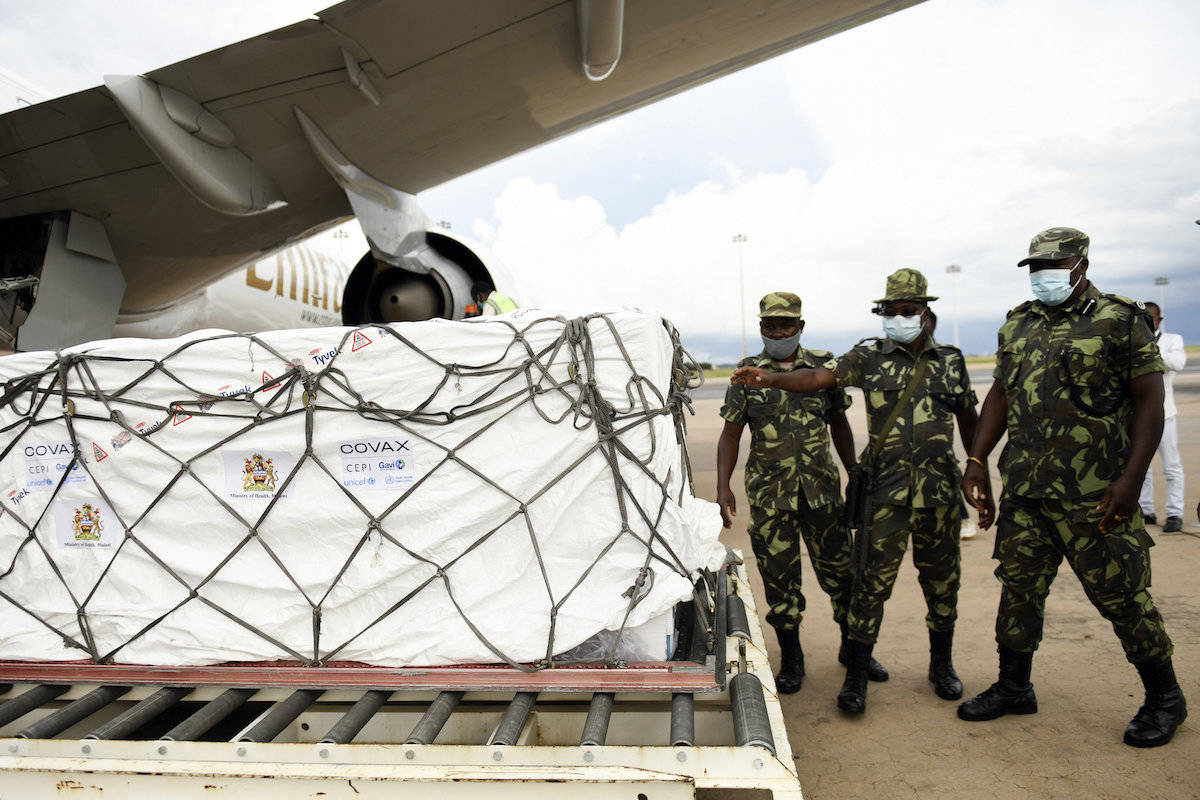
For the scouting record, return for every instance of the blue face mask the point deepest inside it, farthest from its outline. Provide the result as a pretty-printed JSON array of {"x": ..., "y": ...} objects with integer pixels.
[
  {"x": 779, "y": 349},
  {"x": 1052, "y": 286},
  {"x": 902, "y": 329}
]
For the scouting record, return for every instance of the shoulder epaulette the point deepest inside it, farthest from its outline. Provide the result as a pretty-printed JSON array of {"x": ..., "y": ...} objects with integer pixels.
[
  {"x": 821, "y": 355},
  {"x": 949, "y": 347},
  {"x": 871, "y": 339},
  {"x": 1123, "y": 300},
  {"x": 1021, "y": 309},
  {"x": 1136, "y": 306}
]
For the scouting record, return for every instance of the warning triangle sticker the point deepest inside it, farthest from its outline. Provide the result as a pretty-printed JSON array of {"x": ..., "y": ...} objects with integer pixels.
[
  {"x": 180, "y": 416},
  {"x": 267, "y": 377},
  {"x": 359, "y": 342},
  {"x": 98, "y": 453}
]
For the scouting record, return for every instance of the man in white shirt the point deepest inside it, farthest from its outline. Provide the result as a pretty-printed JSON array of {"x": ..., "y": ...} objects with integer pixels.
[{"x": 1170, "y": 346}]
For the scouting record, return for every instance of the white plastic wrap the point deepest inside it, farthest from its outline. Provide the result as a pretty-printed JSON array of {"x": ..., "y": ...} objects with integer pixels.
[{"x": 443, "y": 515}]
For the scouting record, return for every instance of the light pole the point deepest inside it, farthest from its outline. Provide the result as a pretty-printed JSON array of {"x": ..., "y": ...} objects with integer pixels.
[
  {"x": 954, "y": 269},
  {"x": 1161, "y": 283},
  {"x": 740, "y": 239}
]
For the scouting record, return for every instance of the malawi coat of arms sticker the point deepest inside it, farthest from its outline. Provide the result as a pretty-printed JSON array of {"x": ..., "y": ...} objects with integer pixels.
[
  {"x": 86, "y": 522},
  {"x": 256, "y": 474}
]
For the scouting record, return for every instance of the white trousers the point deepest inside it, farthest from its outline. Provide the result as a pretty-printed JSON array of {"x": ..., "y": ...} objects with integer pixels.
[{"x": 1168, "y": 451}]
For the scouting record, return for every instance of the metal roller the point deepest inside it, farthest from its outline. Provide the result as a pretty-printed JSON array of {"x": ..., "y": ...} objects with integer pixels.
[
  {"x": 685, "y": 621},
  {"x": 434, "y": 719},
  {"x": 283, "y": 713},
  {"x": 751, "y": 725},
  {"x": 737, "y": 621},
  {"x": 683, "y": 720},
  {"x": 130, "y": 720},
  {"x": 515, "y": 717},
  {"x": 207, "y": 717},
  {"x": 357, "y": 717},
  {"x": 22, "y": 704},
  {"x": 595, "y": 727},
  {"x": 699, "y": 633},
  {"x": 720, "y": 627},
  {"x": 68, "y": 715}
]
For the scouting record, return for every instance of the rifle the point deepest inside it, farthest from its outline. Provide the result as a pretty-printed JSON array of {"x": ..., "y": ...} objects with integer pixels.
[{"x": 861, "y": 478}]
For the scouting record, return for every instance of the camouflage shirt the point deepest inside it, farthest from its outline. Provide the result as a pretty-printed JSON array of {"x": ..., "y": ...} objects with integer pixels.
[
  {"x": 1066, "y": 373},
  {"x": 916, "y": 465},
  {"x": 789, "y": 437}
]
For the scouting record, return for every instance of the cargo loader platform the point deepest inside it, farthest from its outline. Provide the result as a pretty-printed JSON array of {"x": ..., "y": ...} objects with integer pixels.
[{"x": 640, "y": 730}]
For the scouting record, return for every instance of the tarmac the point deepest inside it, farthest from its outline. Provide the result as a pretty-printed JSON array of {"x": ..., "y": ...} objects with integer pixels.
[{"x": 910, "y": 744}]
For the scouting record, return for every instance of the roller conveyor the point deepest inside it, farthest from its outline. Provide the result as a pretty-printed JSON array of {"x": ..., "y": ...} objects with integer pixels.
[{"x": 702, "y": 720}]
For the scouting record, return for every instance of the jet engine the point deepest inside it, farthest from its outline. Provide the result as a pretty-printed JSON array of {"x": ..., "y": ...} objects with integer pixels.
[{"x": 435, "y": 281}]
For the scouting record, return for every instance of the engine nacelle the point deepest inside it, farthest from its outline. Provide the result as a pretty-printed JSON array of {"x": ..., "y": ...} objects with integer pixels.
[{"x": 435, "y": 283}]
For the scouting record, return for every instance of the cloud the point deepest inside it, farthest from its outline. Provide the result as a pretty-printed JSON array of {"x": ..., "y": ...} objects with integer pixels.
[
  {"x": 949, "y": 133},
  {"x": 67, "y": 47}
]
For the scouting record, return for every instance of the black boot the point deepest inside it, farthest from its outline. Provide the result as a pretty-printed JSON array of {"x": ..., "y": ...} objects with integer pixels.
[
  {"x": 791, "y": 670},
  {"x": 1164, "y": 710},
  {"x": 1012, "y": 694},
  {"x": 875, "y": 671},
  {"x": 941, "y": 671},
  {"x": 853, "y": 697}
]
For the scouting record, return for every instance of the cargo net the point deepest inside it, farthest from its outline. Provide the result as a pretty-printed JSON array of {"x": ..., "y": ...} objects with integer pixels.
[{"x": 548, "y": 365}]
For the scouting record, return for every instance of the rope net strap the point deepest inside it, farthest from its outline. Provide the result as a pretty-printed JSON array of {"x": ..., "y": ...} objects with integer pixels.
[{"x": 127, "y": 462}]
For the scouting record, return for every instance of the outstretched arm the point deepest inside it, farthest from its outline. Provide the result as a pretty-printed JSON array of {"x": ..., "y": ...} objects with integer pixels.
[
  {"x": 727, "y": 453},
  {"x": 803, "y": 381}
]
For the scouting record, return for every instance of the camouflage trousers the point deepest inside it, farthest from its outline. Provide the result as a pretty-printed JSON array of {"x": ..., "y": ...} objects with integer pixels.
[
  {"x": 775, "y": 535},
  {"x": 934, "y": 532},
  {"x": 1033, "y": 537}
]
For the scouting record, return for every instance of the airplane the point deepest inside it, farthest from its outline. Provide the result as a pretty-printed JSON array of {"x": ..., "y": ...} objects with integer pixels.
[
  {"x": 298, "y": 287},
  {"x": 129, "y": 199},
  {"x": 16, "y": 92}
]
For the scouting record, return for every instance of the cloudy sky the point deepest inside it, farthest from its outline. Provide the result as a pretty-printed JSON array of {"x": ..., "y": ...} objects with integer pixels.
[{"x": 945, "y": 134}]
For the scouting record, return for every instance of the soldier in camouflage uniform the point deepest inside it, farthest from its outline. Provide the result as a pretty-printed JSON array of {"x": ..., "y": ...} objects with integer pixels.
[
  {"x": 916, "y": 476},
  {"x": 1078, "y": 387},
  {"x": 791, "y": 482}
]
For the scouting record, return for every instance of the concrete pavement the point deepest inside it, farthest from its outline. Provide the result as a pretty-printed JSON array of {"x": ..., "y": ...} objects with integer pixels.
[{"x": 910, "y": 744}]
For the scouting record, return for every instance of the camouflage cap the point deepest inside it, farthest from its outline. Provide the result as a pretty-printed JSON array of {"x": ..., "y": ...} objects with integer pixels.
[
  {"x": 779, "y": 304},
  {"x": 1054, "y": 244},
  {"x": 906, "y": 284}
]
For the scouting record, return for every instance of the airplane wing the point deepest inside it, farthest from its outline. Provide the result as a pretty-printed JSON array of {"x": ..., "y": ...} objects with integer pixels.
[{"x": 412, "y": 93}]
